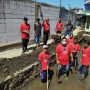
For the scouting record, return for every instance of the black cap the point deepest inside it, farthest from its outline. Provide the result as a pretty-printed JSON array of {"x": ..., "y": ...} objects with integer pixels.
[
  {"x": 25, "y": 19},
  {"x": 38, "y": 19}
]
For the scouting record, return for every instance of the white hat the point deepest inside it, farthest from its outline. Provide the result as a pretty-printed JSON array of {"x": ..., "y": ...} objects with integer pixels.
[{"x": 45, "y": 46}]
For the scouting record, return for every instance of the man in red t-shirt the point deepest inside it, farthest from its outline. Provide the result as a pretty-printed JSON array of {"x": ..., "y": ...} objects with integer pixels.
[
  {"x": 46, "y": 31},
  {"x": 74, "y": 49},
  {"x": 62, "y": 58},
  {"x": 85, "y": 61},
  {"x": 59, "y": 26},
  {"x": 25, "y": 30},
  {"x": 44, "y": 58}
]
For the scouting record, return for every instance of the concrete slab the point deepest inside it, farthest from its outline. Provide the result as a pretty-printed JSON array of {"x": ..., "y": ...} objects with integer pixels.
[{"x": 17, "y": 52}]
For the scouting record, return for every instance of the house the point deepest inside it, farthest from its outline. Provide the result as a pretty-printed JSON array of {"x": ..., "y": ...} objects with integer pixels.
[{"x": 86, "y": 12}]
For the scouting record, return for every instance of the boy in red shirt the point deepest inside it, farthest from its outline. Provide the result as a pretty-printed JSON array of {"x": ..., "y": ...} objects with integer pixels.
[
  {"x": 44, "y": 58},
  {"x": 71, "y": 39},
  {"x": 46, "y": 31},
  {"x": 62, "y": 58},
  {"x": 75, "y": 49},
  {"x": 25, "y": 30},
  {"x": 85, "y": 61},
  {"x": 59, "y": 26}
]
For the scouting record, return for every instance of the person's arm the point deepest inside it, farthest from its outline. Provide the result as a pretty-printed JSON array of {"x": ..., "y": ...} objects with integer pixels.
[
  {"x": 62, "y": 28},
  {"x": 71, "y": 55},
  {"x": 25, "y": 31},
  {"x": 49, "y": 30},
  {"x": 78, "y": 49},
  {"x": 40, "y": 60},
  {"x": 35, "y": 28},
  {"x": 56, "y": 51},
  {"x": 56, "y": 28},
  {"x": 70, "y": 49},
  {"x": 57, "y": 60}
]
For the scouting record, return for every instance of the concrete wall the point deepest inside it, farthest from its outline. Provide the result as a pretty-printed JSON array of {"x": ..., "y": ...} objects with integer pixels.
[
  {"x": 11, "y": 16},
  {"x": 52, "y": 13}
]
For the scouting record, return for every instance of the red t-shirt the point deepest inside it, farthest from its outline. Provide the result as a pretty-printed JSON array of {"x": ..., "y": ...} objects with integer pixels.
[
  {"x": 59, "y": 26},
  {"x": 63, "y": 54},
  {"x": 46, "y": 26},
  {"x": 70, "y": 40},
  {"x": 24, "y": 27},
  {"x": 85, "y": 56},
  {"x": 74, "y": 48},
  {"x": 44, "y": 58}
]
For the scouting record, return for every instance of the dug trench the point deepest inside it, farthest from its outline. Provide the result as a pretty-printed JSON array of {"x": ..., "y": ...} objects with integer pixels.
[
  {"x": 21, "y": 73},
  {"x": 16, "y": 72}
]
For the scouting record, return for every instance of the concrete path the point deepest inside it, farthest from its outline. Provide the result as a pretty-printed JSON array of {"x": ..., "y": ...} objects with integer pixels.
[{"x": 17, "y": 52}]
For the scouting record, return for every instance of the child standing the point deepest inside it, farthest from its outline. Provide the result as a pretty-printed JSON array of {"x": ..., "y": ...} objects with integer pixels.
[
  {"x": 75, "y": 49},
  {"x": 85, "y": 61}
]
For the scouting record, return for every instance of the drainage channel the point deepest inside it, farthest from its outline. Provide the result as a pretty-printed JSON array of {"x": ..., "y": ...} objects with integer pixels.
[{"x": 18, "y": 71}]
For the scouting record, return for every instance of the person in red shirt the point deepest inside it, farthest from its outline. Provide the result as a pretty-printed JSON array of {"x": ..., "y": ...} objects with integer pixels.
[
  {"x": 75, "y": 49},
  {"x": 62, "y": 58},
  {"x": 44, "y": 58},
  {"x": 71, "y": 39},
  {"x": 46, "y": 31},
  {"x": 25, "y": 30},
  {"x": 85, "y": 61},
  {"x": 59, "y": 26}
]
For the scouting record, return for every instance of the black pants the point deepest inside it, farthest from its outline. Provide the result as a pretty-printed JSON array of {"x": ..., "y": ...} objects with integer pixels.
[
  {"x": 24, "y": 44},
  {"x": 58, "y": 32},
  {"x": 45, "y": 37}
]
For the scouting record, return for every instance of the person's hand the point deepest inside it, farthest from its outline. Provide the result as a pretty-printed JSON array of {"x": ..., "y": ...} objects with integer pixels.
[
  {"x": 72, "y": 59},
  {"x": 47, "y": 67},
  {"x": 57, "y": 61},
  {"x": 26, "y": 31}
]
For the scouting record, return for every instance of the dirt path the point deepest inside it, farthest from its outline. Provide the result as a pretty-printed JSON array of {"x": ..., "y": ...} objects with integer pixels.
[{"x": 72, "y": 83}]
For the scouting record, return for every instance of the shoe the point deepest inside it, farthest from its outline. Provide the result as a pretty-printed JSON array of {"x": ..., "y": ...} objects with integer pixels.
[
  {"x": 81, "y": 79},
  {"x": 59, "y": 82},
  {"x": 65, "y": 77}
]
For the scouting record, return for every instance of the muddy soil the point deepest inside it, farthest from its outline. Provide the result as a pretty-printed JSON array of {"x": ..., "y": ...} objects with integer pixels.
[
  {"x": 9, "y": 66},
  {"x": 72, "y": 83}
]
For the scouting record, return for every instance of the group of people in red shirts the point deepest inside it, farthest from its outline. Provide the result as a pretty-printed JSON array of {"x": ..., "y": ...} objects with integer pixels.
[
  {"x": 67, "y": 58},
  {"x": 66, "y": 51},
  {"x": 25, "y": 32}
]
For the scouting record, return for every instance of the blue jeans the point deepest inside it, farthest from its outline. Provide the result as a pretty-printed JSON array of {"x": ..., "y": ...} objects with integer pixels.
[
  {"x": 37, "y": 39},
  {"x": 62, "y": 69},
  {"x": 68, "y": 33}
]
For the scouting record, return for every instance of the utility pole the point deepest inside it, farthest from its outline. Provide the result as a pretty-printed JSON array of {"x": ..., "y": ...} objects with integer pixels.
[
  {"x": 35, "y": 9},
  {"x": 69, "y": 11},
  {"x": 60, "y": 9}
]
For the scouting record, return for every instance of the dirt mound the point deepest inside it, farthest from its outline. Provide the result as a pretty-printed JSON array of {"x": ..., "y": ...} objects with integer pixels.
[{"x": 9, "y": 66}]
